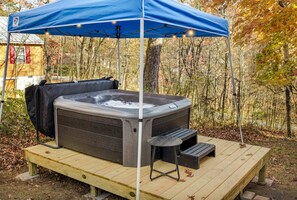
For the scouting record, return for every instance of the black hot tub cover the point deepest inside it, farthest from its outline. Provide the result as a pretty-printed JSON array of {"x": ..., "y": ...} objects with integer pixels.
[{"x": 40, "y": 98}]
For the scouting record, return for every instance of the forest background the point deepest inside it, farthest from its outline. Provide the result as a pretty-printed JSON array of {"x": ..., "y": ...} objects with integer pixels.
[{"x": 264, "y": 48}]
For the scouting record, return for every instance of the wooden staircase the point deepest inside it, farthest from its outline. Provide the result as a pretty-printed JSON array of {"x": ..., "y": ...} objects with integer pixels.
[{"x": 190, "y": 152}]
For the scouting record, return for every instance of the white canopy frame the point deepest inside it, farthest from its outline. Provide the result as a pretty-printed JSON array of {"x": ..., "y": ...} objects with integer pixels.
[
  {"x": 141, "y": 74},
  {"x": 4, "y": 76}
]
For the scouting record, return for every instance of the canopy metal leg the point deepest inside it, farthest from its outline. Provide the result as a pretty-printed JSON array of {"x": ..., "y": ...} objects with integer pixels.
[
  {"x": 4, "y": 76},
  {"x": 119, "y": 62},
  {"x": 234, "y": 91},
  {"x": 119, "y": 54},
  {"x": 141, "y": 66}
]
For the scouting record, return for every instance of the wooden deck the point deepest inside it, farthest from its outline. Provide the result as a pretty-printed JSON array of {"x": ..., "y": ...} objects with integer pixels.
[{"x": 220, "y": 177}]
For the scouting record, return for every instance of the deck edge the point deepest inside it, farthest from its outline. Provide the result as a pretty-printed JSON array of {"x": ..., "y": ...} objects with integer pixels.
[{"x": 90, "y": 178}]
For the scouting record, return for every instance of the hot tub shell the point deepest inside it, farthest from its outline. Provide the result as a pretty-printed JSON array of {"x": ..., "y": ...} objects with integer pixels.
[{"x": 83, "y": 123}]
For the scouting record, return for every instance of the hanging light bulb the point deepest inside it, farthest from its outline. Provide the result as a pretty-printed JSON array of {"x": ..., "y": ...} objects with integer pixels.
[
  {"x": 174, "y": 37},
  {"x": 184, "y": 35},
  {"x": 114, "y": 22},
  {"x": 47, "y": 33},
  {"x": 191, "y": 33},
  {"x": 78, "y": 25}
]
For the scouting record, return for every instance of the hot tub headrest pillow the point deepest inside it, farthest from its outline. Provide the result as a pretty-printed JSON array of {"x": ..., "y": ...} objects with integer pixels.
[{"x": 40, "y": 99}]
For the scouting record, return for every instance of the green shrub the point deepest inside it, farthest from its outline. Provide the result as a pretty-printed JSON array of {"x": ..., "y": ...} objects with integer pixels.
[{"x": 15, "y": 120}]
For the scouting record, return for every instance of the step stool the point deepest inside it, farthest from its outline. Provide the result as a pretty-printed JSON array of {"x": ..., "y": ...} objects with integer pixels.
[
  {"x": 191, "y": 157},
  {"x": 190, "y": 152}
]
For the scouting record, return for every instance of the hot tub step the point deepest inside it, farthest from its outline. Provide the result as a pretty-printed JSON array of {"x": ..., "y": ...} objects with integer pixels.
[
  {"x": 189, "y": 138},
  {"x": 191, "y": 157},
  {"x": 183, "y": 133}
]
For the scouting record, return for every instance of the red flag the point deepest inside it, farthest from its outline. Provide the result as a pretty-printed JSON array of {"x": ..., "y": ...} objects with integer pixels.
[
  {"x": 12, "y": 54},
  {"x": 28, "y": 57}
]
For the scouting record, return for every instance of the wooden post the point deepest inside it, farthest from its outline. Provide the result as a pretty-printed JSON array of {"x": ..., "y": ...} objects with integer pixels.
[
  {"x": 262, "y": 172},
  {"x": 94, "y": 191},
  {"x": 32, "y": 168}
]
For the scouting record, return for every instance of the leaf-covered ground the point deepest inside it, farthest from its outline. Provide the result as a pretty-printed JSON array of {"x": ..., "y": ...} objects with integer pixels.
[
  {"x": 11, "y": 154},
  {"x": 49, "y": 185}
]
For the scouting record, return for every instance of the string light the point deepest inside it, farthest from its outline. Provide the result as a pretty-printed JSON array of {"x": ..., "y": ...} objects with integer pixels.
[
  {"x": 174, "y": 36},
  {"x": 78, "y": 25},
  {"x": 47, "y": 33},
  {"x": 184, "y": 36},
  {"x": 114, "y": 22},
  {"x": 191, "y": 33}
]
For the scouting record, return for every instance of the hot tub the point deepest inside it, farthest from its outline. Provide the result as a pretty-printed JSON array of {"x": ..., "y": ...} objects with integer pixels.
[{"x": 105, "y": 123}]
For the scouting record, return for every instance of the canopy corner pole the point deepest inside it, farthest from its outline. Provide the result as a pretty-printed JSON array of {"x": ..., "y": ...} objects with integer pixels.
[
  {"x": 140, "y": 118},
  {"x": 119, "y": 54},
  {"x": 4, "y": 76},
  {"x": 234, "y": 90}
]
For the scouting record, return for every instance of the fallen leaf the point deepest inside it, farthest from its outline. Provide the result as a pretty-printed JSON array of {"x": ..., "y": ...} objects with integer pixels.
[
  {"x": 250, "y": 154},
  {"x": 189, "y": 173},
  {"x": 182, "y": 180},
  {"x": 47, "y": 152}
]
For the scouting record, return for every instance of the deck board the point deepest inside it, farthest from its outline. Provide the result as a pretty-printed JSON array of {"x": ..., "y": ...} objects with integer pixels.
[
  {"x": 204, "y": 168},
  {"x": 220, "y": 177},
  {"x": 172, "y": 187},
  {"x": 210, "y": 182},
  {"x": 237, "y": 180}
]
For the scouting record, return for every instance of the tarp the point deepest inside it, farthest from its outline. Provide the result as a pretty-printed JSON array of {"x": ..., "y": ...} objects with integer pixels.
[{"x": 102, "y": 18}]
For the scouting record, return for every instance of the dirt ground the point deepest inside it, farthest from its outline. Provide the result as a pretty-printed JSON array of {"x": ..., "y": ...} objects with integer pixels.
[{"x": 50, "y": 185}]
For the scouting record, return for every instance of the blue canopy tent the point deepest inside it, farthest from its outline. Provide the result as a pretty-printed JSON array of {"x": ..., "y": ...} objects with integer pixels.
[{"x": 120, "y": 19}]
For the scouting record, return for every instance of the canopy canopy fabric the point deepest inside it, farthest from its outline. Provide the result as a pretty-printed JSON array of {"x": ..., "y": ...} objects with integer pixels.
[{"x": 118, "y": 19}]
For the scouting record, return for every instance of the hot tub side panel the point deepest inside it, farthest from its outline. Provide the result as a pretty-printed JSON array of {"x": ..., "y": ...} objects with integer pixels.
[
  {"x": 93, "y": 135},
  {"x": 151, "y": 127},
  {"x": 130, "y": 142},
  {"x": 179, "y": 119}
]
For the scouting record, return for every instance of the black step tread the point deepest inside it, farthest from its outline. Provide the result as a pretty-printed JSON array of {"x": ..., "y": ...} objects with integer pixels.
[
  {"x": 199, "y": 150},
  {"x": 183, "y": 133}
]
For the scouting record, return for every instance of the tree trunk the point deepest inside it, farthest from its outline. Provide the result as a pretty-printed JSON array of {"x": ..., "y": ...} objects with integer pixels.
[
  {"x": 48, "y": 67},
  {"x": 288, "y": 108},
  {"x": 207, "y": 83},
  {"x": 81, "y": 58},
  {"x": 151, "y": 69},
  {"x": 60, "y": 67},
  {"x": 288, "y": 90},
  {"x": 77, "y": 59},
  {"x": 224, "y": 87},
  {"x": 238, "y": 98}
]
